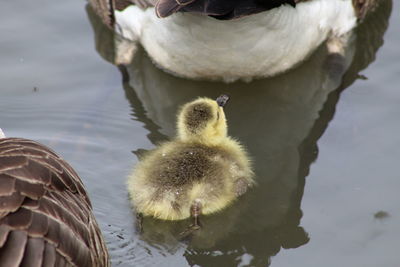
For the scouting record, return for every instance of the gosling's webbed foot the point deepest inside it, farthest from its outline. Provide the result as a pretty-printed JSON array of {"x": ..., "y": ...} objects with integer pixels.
[
  {"x": 189, "y": 231},
  {"x": 195, "y": 211}
]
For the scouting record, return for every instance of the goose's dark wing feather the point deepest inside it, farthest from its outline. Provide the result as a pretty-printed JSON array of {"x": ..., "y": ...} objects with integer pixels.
[
  {"x": 104, "y": 9},
  {"x": 220, "y": 9},
  {"x": 46, "y": 217},
  {"x": 122, "y": 4}
]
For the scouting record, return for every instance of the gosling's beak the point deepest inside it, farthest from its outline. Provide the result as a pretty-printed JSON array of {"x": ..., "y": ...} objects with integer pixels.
[{"x": 222, "y": 100}]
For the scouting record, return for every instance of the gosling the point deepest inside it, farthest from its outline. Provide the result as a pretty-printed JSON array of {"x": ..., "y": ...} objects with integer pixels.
[{"x": 201, "y": 171}]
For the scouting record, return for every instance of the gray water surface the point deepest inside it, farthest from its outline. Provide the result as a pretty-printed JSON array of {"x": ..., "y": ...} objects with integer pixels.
[{"x": 324, "y": 140}]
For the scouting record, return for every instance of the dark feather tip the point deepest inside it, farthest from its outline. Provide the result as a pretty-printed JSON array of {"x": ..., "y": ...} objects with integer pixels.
[{"x": 292, "y": 3}]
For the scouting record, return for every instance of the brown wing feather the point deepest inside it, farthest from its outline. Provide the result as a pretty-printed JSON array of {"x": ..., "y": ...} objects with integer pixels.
[
  {"x": 104, "y": 9},
  {"x": 33, "y": 253},
  {"x": 12, "y": 252},
  {"x": 143, "y": 3},
  {"x": 164, "y": 8},
  {"x": 46, "y": 217},
  {"x": 364, "y": 7}
]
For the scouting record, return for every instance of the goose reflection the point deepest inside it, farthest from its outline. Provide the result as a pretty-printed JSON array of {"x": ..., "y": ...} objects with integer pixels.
[{"x": 279, "y": 120}]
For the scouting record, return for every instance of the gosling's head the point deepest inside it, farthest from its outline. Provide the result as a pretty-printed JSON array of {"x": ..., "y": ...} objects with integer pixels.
[{"x": 203, "y": 120}]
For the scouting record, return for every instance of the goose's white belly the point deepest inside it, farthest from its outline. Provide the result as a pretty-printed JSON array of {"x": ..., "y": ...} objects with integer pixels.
[{"x": 260, "y": 45}]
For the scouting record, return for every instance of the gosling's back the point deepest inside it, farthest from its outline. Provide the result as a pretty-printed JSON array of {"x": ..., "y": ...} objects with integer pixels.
[{"x": 172, "y": 177}]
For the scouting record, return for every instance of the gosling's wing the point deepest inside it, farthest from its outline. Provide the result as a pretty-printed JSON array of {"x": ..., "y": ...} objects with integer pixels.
[
  {"x": 46, "y": 217},
  {"x": 221, "y": 9}
]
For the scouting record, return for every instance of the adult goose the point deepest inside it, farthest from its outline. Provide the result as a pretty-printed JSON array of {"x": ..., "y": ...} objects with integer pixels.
[
  {"x": 231, "y": 39},
  {"x": 46, "y": 218}
]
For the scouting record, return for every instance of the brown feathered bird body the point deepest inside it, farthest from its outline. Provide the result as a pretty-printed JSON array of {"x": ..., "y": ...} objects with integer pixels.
[{"x": 46, "y": 217}]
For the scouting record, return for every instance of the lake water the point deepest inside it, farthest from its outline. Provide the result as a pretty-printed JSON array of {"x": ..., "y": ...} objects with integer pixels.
[{"x": 324, "y": 139}]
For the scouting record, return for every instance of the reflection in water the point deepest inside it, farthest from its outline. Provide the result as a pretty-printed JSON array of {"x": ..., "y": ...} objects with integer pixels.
[{"x": 279, "y": 120}]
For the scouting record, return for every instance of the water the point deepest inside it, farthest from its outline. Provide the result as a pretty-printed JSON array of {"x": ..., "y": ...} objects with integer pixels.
[{"x": 323, "y": 139}]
